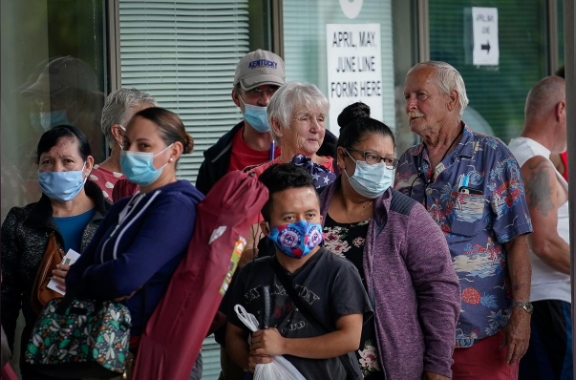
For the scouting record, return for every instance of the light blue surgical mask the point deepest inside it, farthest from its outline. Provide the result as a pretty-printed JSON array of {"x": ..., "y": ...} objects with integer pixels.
[
  {"x": 257, "y": 117},
  {"x": 53, "y": 118},
  {"x": 370, "y": 180},
  {"x": 139, "y": 168},
  {"x": 62, "y": 185},
  {"x": 297, "y": 239}
]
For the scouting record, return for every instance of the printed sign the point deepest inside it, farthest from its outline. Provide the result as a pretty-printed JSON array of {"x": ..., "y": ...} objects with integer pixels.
[
  {"x": 485, "y": 34},
  {"x": 354, "y": 68},
  {"x": 69, "y": 259}
]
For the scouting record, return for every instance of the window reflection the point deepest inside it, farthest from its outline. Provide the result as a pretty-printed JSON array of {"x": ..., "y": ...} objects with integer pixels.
[
  {"x": 53, "y": 72},
  {"x": 66, "y": 92}
]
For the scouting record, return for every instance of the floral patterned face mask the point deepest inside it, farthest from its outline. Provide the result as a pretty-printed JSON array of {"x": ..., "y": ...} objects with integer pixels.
[{"x": 297, "y": 239}]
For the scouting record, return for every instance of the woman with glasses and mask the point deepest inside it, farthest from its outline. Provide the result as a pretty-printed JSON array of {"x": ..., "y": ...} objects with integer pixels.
[
  {"x": 71, "y": 208},
  {"x": 401, "y": 254},
  {"x": 144, "y": 237}
]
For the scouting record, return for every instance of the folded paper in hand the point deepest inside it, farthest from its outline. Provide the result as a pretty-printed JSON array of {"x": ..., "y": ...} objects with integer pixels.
[{"x": 69, "y": 259}]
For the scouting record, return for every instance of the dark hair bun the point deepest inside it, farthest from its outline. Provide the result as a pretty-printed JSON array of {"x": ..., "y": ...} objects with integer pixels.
[
  {"x": 353, "y": 112},
  {"x": 189, "y": 144}
]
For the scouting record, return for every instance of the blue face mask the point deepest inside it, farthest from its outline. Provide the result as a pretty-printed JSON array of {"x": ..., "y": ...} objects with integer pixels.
[
  {"x": 62, "y": 185},
  {"x": 297, "y": 239},
  {"x": 257, "y": 117},
  {"x": 53, "y": 118},
  {"x": 370, "y": 180},
  {"x": 138, "y": 167}
]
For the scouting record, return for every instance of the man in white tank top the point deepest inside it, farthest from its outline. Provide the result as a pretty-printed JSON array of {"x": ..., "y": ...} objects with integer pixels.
[{"x": 549, "y": 354}]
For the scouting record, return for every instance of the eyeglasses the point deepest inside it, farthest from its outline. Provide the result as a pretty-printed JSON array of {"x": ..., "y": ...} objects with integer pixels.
[{"x": 372, "y": 158}]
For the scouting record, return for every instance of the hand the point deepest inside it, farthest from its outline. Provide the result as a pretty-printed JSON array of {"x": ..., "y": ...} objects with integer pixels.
[
  {"x": 267, "y": 342},
  {"x": 431, "y": 375},
  {"x": 59, "y": 275},
  {"x": 254, "y": 360},
  {"x": 516, "y": 335}
]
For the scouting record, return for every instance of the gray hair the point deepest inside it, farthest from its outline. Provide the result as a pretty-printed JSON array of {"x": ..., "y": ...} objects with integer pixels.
[
  {"x": 544, "y": 95},
  {"x": 448, "y": 79},
  {"x": 119, "y": 109},
  {"x": 289, "y": 97}
]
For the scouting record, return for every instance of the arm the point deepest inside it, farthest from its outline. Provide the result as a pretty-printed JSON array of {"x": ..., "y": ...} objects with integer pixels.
[
  {"x": 543, "y": 202},
  {"x": 345, "y": 339},
  {"x": 518, "y": 327},
  {"x": 237, "y": 345},
  {"x": 76, "y": 271},
  {"x": 437, "y": 289},
  {"x": 11, "y": 276},
  {"x": 164, "y": 234}
]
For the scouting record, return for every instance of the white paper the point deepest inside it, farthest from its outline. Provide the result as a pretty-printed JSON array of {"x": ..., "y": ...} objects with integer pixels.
[
  {"x": 69, "y": 259},
  {"x": 354, "y": 69},
  {"x": 485, "y": 31}
]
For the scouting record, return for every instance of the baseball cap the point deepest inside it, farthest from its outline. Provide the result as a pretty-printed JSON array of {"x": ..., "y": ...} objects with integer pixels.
[
  {"x": 259, "y": 67},
  {"x": 63, "y": 73}
]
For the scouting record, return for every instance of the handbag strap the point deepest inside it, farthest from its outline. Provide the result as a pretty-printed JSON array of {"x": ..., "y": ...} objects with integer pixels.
[{"x": 307, "y": 313}]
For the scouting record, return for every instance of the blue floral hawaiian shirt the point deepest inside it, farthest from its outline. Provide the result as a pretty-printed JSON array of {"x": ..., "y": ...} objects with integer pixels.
[{"x": 477, "y": 199}]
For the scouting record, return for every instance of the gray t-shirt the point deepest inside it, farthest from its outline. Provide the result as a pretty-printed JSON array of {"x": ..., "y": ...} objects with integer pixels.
[{"x": 329, "y": 285}]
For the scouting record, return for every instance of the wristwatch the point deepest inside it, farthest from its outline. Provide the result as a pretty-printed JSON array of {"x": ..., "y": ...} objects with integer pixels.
[{"x": 526, "y": 305}]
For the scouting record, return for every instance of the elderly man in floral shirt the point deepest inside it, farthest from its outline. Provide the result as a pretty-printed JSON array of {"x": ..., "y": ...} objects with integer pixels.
[{"x": 473, "y": 189}]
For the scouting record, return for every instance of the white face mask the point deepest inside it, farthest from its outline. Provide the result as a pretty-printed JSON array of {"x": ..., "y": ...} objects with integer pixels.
[{"x": 370, "y": 180}]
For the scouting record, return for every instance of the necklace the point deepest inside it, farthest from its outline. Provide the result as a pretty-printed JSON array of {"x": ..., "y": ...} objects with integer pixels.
[
  {"x": 451, "y": 144},
  {"x": 364, "y": 209}
]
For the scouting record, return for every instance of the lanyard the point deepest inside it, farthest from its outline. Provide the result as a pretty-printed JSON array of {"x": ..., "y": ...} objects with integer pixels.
[{"x": 272, "y": 150}]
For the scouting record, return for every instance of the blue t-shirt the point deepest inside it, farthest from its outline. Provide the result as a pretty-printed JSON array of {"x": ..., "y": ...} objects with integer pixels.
[
  {"x": 476, "y": 223},
  {"x": 72, "y": 227}
]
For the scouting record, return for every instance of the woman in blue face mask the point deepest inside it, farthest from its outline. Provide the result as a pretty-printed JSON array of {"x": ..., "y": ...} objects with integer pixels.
[
  {"x": 401, "y": 254},
  {"x": 70, "y": 209},
  {"x": 144, "y": 237}
]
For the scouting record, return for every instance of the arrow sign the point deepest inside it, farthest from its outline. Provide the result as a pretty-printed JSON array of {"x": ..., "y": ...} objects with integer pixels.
[{"x": 485, "y": 44}]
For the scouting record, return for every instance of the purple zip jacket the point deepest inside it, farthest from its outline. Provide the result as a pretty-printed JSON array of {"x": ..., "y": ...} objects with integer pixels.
[{"x": 412, "y": 286}]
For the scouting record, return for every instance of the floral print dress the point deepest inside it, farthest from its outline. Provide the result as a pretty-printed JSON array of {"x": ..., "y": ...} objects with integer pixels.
[{"x": 347, "y": 241}]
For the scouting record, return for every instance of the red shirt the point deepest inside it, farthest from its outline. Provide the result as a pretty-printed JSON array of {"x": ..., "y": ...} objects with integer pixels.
[
  {"x": 105, "y": 179},
  {"x": 244, "y": 156},
  {"x": 564, "y": 158}
]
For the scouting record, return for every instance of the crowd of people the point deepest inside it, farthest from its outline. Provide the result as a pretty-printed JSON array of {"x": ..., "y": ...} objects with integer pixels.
[{"x": 448, "y": 261}]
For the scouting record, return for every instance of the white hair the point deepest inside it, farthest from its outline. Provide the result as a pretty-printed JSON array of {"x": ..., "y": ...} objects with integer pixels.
[
  {"x": 544, "y": 96},
  {"x": 119, "y": 109},
  {"x": 448, "y": 79},
  {"x": 291, "y": 96}
]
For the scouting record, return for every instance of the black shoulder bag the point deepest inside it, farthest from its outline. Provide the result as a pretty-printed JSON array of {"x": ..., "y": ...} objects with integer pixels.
[{"x": 351, "y": 371}]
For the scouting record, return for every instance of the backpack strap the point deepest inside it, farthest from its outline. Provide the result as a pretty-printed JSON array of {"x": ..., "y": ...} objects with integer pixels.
[
  {"x": 351, "y": 371},
  {"x": 401, "y": 203}
]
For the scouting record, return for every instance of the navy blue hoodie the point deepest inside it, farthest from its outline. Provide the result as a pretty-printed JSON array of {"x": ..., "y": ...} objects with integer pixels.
[{"x": 140, "y": 242}]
